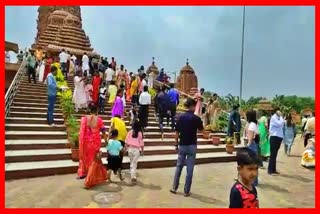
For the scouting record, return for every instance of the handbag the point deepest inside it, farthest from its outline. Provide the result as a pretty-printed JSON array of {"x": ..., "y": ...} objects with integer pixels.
[{"x": 97, "y": 173}]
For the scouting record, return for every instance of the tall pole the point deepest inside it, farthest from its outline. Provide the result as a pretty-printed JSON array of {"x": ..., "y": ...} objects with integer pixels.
[{"x": 242, "y": 48}]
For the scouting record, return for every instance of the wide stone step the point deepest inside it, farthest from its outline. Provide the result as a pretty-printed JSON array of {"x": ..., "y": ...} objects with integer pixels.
[
  {"x": 12, "y": 156},
  {"x": 32, "y": 144},
  {"x": 46, "y": 168},
  {"x": 28, "y": 144},
  {"x": 61, "y": 127},
  {"x": 43, "y": 135}
]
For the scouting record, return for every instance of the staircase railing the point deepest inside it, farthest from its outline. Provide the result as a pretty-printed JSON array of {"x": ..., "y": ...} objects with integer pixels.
[
  {"x": 14, "y": 86},
  {"x": 223, "y": 113}
]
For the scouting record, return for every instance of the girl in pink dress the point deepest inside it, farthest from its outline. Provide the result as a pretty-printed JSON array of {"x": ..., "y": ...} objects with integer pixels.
[{"x": 199, "y": 99}]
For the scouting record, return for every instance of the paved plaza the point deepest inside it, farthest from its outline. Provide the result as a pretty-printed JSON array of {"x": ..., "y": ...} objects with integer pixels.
[{"x": 294, "y": 188}]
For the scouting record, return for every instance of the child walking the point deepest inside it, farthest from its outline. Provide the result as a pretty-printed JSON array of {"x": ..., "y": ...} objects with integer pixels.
[
  {"x": 88, "y": 89},
  {"x": 114, "y": 148},
  {"x": 134, "y": 145},
  {"x": 243, "y": 194},
  {"x": 102, "y": 97}
]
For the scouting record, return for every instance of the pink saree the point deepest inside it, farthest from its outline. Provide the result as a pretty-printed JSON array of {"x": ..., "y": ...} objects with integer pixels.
[{"x": 89, "y": 143}]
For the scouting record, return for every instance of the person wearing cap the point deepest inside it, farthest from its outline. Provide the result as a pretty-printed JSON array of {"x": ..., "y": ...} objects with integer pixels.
[{"x": 187, "y": 127}]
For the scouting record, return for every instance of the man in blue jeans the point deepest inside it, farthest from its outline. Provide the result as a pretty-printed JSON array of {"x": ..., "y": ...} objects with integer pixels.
[
  {"x": 186, "y": 130},
  {"x": 52, "y": 94}
]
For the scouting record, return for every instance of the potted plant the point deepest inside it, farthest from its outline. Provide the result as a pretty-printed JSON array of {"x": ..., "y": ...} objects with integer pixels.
[
  {"x": 72, "y": 125},
  {"x": 215, "y": 140},
  {"x": 229, "y": 146},
  {"x": 74, "y": 140}
]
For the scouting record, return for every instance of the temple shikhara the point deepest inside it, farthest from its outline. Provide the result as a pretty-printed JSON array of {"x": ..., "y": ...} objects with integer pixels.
[
  {"x": 187, "y": 80},
  {"x": 60, "y": 27}
]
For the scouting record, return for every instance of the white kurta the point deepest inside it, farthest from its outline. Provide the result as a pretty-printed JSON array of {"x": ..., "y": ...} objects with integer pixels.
[
  {"x": 41, "y": 71},
  {"x": 150, "y": 79},
  {"x": 85, "y": 63},
  {"x": 79, "y": 94}
]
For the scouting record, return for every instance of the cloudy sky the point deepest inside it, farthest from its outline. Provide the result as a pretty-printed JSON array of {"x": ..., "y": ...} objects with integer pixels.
[{"x": 278, "y": 51}]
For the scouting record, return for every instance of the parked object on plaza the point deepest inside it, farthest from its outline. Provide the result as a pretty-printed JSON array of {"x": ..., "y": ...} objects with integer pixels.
[{"x": 308, "y": 156}]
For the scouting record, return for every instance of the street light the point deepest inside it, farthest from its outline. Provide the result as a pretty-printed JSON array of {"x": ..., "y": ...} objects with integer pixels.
[{"x": 242, "y": 49}]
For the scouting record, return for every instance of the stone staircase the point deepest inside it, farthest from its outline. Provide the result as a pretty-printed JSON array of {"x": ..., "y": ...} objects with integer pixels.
[{"x": 34, "y": 149}]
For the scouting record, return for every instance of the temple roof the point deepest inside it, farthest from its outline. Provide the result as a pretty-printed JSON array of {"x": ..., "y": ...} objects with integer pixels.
[
  {"x": 187, "y": 68},
  {"x": 64, "y": 31},
  {"x": 265, "y": 105},
  {"x": 153, "y": 68},
  {"x": 10, "y": 46}
]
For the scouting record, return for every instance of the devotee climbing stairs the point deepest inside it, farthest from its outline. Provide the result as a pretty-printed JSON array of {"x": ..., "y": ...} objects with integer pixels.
[{"x": 34, "y": 149}]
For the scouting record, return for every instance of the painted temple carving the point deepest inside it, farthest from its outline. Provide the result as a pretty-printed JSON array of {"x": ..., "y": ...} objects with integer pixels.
[
  {"x": 61, "y": 27},
  {"x": 187, "y": 80}
]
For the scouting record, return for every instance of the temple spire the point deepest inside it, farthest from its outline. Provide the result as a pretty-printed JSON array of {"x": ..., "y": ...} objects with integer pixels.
[
  {"x": 152, "y": 60},
  {"x": 187, "y": 61}
]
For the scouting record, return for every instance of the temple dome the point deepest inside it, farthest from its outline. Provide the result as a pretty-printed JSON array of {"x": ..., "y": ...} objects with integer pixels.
[
  {"x": 153, "y": 68},
  {"x": 187, "y": 69}
]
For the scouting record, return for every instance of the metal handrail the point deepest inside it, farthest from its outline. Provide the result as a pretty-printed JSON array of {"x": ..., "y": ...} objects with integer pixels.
[
  {"x": 13, "y": 87},
  {"x": 187, "y": 95}
]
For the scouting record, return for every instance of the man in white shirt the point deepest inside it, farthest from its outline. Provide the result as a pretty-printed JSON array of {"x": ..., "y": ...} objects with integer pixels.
[
  {"x": 109, "y": 73},
  {"x": 144, "y": 101},
  {"x": 63, "y": 56},
  {"x": 276, "y": 136},
  {"x": 85, "y": 64}
]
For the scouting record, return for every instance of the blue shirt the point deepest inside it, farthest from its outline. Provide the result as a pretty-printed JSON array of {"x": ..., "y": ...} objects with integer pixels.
[
  {"x": 276, "y": 126},
  {"x": 173, "y": 96},
  {"x": 52, "y": 85},
  {"x": 114, "y": 147},
  {"x": 188, "y": 124}
]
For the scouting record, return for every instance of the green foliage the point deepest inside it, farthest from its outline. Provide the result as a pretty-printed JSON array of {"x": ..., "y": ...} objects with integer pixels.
[
  {"x": 73, "y": 127},
  {"x": 287, "y": 103}
]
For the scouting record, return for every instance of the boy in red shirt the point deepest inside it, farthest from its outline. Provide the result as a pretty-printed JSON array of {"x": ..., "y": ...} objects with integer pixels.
[{"x": 243, "y": 194}]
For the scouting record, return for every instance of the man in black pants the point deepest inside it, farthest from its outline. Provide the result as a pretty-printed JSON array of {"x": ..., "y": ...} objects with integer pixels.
[
  {"x": 31, "y": 66},
  {"x": 163, "y": 108},
  {"x": 173, "y": 95},
  {"x": 276, "y": 136}
]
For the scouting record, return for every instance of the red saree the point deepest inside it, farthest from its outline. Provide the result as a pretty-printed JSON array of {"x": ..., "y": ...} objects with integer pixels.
[
  {"x": 89, "y": 144},
  {"x": 128, "y": 84},
  {"x": 95, "y": 92},
  {"x": 47, "y": 68}
]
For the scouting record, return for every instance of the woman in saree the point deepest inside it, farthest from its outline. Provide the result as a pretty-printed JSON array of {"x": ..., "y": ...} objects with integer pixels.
[
  {"x": 264, "y": 140},
  {"x": 47, "y": 68},
  {"x": 128, "y": 86},
  {"x": 213, "y": 111},
  {"x": 96, "y": 81},
  {"x": 89, "y": 140},
  {"x": 199, "y": 100},
  {"x": 118, "y": 108},
  {"x": 79, "y": 94},
  {"x": 134, "y": 90},
  {"x": 112, "y": 91}
]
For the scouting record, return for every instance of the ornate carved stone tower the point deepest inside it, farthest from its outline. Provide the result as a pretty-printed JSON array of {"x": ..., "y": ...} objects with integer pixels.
[
  {"x": 61, "y": 27},
  {"x": 187, "y": 80}
]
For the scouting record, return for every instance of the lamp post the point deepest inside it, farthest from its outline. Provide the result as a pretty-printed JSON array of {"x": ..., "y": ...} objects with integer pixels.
[{"x": 242, "y": 49}]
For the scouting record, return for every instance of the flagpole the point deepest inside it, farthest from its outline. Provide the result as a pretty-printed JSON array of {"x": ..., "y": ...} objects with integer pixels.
[{"x": 242, "y": 49}]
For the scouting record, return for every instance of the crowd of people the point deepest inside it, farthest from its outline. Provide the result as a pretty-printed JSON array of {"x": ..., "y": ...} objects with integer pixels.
[{"x": 98, "y": 80}]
